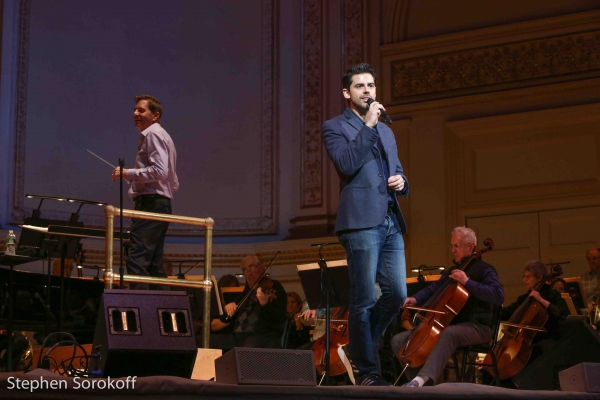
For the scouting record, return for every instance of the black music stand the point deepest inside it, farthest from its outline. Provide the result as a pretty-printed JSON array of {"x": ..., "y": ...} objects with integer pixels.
[
  {"x": 331, "y": 282},
  {"x": 181, "y": 275},
  {"x": 55, "y": 246},
  {"x": 58, "y": 247},
  {"x": 573, "y": 288}
]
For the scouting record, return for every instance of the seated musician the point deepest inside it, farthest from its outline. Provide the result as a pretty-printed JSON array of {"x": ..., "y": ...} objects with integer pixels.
[
  {"x": 550, "y": 299},
  {"x": 299, "y": 332},
  {"x": 559, "y": 285},
  {"x": 591, "y": 287},
  {"x": 260, "y": 320},
  {"x": 472, "y": 325},
  {"x": 591, "y": 280}
]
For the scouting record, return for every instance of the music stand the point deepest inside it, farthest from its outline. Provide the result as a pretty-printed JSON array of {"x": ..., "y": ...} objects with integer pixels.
[
  {"x": 324, "y": 279},
  {"x": 310, "y": 275},
  {"x": 181, "y": 275},
  {"x": 55, "y": 247},
  {"x": 64, "y": 247},
  {"x": 575, "y": 289}
]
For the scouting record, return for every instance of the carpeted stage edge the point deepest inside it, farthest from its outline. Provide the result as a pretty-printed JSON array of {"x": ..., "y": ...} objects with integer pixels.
[{"x": 166, "y": 388}]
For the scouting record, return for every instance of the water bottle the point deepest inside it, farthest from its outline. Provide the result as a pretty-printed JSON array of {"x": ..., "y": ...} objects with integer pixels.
[{"x": 11, "y": 242}]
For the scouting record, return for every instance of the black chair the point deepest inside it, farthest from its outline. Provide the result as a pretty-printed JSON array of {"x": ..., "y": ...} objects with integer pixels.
[{"x": 487, "y": 348}]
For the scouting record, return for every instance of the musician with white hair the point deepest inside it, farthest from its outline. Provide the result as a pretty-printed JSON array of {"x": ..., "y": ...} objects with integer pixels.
[{"x": 473, "y": 323}]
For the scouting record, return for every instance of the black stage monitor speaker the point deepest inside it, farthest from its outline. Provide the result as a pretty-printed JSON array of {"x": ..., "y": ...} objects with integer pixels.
[
  {"x": 144, "y": 333},
  {"x": 247, "y": 366},
  {"x": 581, "y": 344},
  {"x": 584, "y": 377}
]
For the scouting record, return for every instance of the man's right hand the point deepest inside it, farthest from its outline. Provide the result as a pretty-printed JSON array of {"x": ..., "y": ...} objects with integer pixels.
[
  {"x": 117, "y": 173},
  {"x": 410, "y": 301},
  {"x": 373, "y": 114},
  {"x": 309, "y": 315},
  {"x": 230, "y": 309}
]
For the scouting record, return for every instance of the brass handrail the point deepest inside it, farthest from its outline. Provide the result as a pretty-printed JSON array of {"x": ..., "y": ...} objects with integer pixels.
[{"x": 205, "y": 285}]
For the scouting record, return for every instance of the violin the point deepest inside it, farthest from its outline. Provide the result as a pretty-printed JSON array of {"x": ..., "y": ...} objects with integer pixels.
[
  {"x": 266, "y": 285},
  {"x": 435, "y": 315},
  {"x": 514, "y": 350}
]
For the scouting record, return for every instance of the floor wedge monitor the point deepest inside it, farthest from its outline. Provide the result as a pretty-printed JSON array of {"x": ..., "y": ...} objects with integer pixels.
[
  {"x": 247, "y": 366},
  {"x": 144, "y": 333}
]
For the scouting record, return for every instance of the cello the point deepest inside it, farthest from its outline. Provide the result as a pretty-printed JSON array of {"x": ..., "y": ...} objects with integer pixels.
[
  {"x": 514, "y": 350},
  {"x": 338, "y": 337},
  {"x": 436, "y": 314}
]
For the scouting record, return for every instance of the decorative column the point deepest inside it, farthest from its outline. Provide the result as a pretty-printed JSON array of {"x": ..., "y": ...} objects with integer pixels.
[{"x": 326, "y": 54}]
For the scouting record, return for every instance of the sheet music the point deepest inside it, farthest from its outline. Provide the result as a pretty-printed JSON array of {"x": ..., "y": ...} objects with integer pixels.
[
  {"x": 35, "y": 228},
  {"x": 330, "y": 264}
]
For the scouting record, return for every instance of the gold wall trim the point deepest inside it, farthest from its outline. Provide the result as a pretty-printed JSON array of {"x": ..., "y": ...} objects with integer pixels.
[
  {"x": 496, "y": 67},
  {"x": 227, "y": 256}
]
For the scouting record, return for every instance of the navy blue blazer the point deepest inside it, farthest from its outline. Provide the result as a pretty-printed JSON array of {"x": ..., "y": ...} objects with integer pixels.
[{"x": 351, "y": 146}]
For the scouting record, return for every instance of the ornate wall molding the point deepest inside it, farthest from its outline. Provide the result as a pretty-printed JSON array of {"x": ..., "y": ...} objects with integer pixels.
[
  {"x": 497, "y": 67},
  {"x": 353, "y": 33},
  {"x": 312, "y": 103},
  {"x": 267, "y": 223},
  {"x": 314, "y": 65},
  {"x": 264, "y": 224},
  {"x": 292, "y": 252},
  {"x": 18, "y": 195}
]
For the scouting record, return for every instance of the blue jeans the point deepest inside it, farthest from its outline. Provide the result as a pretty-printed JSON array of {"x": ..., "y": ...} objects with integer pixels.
[{"x": 373, "y": 253}]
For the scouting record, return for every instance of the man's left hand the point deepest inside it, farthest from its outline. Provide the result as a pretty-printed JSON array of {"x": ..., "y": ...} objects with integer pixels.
[
  {"x": 396, "y": 183},
  {"x": 117, "y": 173},
  {"x": 459, "y": 276},
  {"x": 262, "y": 297}
]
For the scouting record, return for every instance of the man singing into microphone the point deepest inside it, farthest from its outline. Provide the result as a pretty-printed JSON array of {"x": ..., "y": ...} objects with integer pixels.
[
  {"x": 153, "y": 183},
  {"x": 369, "y": 222}
]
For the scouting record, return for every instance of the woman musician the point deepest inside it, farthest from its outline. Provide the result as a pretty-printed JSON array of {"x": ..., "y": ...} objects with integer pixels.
[
  {"x": 530, "y": 309},
  {"x": 299, "y": 333},
  {"x": 550, "y": 299}
]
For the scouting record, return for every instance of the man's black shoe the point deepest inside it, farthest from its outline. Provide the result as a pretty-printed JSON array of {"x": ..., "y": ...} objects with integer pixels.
[{"x": 371, "y": 380}]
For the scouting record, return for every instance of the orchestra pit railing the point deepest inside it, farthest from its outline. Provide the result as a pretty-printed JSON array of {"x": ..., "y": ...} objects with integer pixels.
[{"x": 205, "y": 285}]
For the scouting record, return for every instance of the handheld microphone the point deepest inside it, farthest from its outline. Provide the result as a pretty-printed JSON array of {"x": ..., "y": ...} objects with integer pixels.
[{"x": 384, "y": 115}]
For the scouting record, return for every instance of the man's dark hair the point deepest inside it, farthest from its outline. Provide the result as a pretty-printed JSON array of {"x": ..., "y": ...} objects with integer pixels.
[
  {"x": 357, "y": 69},
  {"x": 153, "y": 104}
]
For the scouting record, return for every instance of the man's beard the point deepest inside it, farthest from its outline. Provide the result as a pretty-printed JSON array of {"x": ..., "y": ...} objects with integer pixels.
[{"x": 362, "y": 106}]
